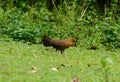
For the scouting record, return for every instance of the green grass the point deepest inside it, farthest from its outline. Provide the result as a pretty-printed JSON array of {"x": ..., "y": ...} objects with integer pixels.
[{"x": 17, "y": 59}]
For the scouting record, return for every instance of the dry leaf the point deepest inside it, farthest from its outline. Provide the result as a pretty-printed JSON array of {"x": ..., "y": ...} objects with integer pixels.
[
  {"x": 78, "y": 62},
  {"x": 34, "y": 69},
  {"x": 35, "y": 56},
  {"x": 66, "y": 65},
  {"x": 75, "y": 79},
  {"x": 54, "y": 69}
]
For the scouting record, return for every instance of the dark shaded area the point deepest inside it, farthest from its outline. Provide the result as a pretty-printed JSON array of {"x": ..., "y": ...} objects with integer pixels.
[
  {"x": 51, "y": 4},
  {"x": 103, "y": 3}
]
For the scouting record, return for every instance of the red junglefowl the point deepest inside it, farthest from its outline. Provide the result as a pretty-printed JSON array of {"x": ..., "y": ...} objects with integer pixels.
[
  {"x": 70, "y": 39},
  {"x": 60, "y": 45}
]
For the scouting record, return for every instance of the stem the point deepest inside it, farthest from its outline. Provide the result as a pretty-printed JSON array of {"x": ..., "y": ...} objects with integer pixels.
[
  {"x": 83, "y": 12},
  {"x": 55, "y": 6},
  {"x": 106, "y": 76}
]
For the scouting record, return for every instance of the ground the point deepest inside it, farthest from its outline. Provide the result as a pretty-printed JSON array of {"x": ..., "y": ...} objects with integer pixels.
[{"x": 20, "y": 62}]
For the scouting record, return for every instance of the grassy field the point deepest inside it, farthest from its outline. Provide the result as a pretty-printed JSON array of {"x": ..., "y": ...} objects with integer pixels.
[{"x": 20, "y": 62}]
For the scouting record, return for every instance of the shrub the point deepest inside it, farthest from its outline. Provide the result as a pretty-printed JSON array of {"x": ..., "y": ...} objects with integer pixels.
[{"x": 90, "y": 28}]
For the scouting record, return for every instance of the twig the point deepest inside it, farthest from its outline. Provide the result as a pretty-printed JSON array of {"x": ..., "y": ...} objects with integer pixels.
[
  {"x": 55, "y": 6},
  {"x": 83, "y": 12}
]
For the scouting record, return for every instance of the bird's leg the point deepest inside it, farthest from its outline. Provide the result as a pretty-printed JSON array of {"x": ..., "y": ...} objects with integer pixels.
[{"x": 62, "y": 51}]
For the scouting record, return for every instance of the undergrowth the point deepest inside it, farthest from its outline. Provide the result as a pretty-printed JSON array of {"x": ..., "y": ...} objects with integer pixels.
[{"x": 90, "y": 28}]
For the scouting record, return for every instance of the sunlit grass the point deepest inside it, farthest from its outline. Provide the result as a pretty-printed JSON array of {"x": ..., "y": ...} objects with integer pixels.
[{"x": 17, "y": 60}]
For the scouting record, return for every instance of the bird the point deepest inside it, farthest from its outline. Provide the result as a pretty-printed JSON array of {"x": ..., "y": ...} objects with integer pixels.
[
  {"x": 60, "y": 45},
  {"x": 70, "y": 39}
]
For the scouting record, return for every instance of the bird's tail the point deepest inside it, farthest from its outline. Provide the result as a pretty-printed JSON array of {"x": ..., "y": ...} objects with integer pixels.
[{"x": 47, "y": 40}]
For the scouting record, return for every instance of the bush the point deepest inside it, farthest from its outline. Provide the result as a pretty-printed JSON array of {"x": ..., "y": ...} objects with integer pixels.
[{"x": 90, "y": 29}]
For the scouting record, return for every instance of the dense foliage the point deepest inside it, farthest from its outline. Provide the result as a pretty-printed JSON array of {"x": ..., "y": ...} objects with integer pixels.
[{"x": 83, "y": 20}]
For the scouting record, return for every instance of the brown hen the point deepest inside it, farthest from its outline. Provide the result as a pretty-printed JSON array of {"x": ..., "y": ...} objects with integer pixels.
[{"x": 60, "y": 45}]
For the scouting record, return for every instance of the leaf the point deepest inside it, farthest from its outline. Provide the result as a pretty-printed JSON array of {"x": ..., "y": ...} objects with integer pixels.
[
  {"x": 35, "y": 56},
  {"x": 109, "y": 60},
  {"x": 54, "y": 69},
  {"x": 75, "y": 79},
  {"x": 34, "y": 69},
  {"x": 65, "y": 65},
  {"x": 103, "y": 62}
]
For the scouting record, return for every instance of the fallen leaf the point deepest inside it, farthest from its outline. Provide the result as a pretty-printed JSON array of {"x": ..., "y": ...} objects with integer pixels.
[
  {"x": 34, "y": 69},
  {"x": 66, "y": 65},
  {"x": 78, "y": 62},
  {"x": 35, "y": 56},
  {"x": 54, "y": 69},
  {"x": 75, "y": 79}
]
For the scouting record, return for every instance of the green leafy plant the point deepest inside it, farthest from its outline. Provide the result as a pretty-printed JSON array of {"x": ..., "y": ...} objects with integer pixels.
[
  {"x": 30, "y": 20},
  {"x": 106, "y": 63}
]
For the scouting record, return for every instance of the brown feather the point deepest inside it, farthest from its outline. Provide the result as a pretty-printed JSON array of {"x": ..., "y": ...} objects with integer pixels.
[{"x": 60, "y": 45}]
